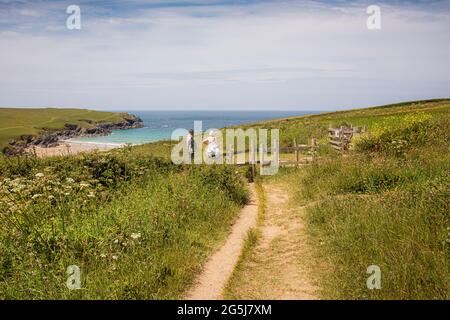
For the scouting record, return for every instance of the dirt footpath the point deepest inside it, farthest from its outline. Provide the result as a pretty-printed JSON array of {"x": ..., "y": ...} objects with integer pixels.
[
  {"x": 280, "y": 265},
  {"x": 210, "y": 283}
]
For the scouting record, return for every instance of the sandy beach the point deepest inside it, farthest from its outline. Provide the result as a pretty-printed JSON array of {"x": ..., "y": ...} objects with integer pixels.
[{"x": 68, "y": 147}]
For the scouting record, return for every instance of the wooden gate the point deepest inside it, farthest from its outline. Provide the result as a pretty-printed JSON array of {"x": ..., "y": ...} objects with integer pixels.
[{"x": 340, "y": 138}]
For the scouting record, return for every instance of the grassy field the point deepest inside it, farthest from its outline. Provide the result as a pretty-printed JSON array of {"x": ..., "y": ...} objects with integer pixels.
[
  {"x": 385, "y": 207},
  {"x": 386, "y": 202},
  {"x": 138, "y": 227},
  {"x": 16, "y": 122}
]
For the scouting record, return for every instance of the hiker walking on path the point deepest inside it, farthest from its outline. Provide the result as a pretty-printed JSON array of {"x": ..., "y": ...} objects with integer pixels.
[{"x": 191, "y": 145}]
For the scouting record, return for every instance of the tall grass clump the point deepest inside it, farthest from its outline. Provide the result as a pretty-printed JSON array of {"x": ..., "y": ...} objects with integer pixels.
[
  {"x": 138, "y": 228},
  {"x": 386, "y": 203}
]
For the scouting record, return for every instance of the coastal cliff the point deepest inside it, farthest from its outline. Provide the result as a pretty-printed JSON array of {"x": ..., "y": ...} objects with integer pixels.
[{"x": 51, "y": 137}]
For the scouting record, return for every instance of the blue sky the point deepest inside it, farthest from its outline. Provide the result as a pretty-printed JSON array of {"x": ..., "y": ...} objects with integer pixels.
[{"x": 232, "y": 55}]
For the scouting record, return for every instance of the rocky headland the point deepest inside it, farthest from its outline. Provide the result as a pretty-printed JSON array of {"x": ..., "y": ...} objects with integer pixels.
[{"x": 49, "y": 138}]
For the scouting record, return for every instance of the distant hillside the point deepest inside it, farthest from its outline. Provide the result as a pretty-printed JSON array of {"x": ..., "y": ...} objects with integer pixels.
[
  {"x": 15, "y": 122},
  {"x": 316, "y": 126}
]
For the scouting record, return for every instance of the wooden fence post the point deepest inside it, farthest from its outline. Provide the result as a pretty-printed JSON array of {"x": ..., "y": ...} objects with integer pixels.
[
  {"x": 261, "y": 154},
  {"x": 275, "y": 154},
  {"x": 296, "y": 151},
  {"x": 253, "y": 159},
  {"x": 313, "y": 149},
  {"x": 230, "y": 154}
]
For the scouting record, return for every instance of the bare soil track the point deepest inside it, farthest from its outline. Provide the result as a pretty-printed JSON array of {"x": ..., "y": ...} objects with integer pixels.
[
  {"x": 209, "y": 285},
  {"x": 280, "y": 264}
]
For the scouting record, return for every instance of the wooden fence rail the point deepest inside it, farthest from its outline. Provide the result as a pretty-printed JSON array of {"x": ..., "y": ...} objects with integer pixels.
[{"x": 296, "y": 149}]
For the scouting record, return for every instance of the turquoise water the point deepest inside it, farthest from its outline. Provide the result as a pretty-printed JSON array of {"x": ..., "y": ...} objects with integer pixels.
[{"x": 159, "y": 125}]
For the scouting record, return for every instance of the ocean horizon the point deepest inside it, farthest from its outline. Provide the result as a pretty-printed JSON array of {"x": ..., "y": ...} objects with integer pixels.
[{"x": 159, "y": 125}]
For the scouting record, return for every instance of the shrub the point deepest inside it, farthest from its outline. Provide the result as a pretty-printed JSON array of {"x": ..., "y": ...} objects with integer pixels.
[{"x": 395, "y": 135}]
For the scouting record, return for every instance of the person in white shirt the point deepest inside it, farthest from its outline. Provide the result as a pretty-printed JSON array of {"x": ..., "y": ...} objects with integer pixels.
[{"x": 212, "y": 149}]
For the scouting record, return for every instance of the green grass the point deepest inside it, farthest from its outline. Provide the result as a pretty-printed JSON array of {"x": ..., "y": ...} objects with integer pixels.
[
  {"x": 161, "y": 149},
  {"x": 385, "y": 203},
  {"x": 15, "y": 122},
  {"x": 138, "y": 227},
  {"x": 251, "y": 240}
]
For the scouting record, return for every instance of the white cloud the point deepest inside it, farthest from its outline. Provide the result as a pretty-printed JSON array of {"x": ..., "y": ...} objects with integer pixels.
[{"x": 283, "y": 55}]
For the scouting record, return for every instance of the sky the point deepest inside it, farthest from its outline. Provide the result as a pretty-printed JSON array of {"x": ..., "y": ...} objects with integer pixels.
[{"x": 222, "y": 54}]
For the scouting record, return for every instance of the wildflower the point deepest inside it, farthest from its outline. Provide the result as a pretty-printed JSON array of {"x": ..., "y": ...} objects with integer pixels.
[
  {"x": 135, "y": 235},
  {"x": 103, "y": 255},
  {"x": 67, "y": 193},
  {"x": 114, "y": 257},
  {"x": 116, "y": 241},
  {"x": 91, "y": 195},
  {"x": 70, "y": 180},
  {"x": 84, "y": 185},
  {"x": 39, "y": 175}
]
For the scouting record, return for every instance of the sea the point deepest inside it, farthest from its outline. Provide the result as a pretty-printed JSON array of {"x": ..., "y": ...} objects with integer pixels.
[{"x": 159, "y": 125}]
